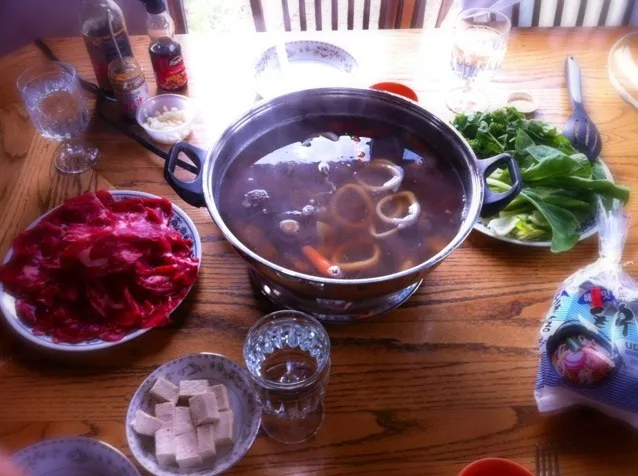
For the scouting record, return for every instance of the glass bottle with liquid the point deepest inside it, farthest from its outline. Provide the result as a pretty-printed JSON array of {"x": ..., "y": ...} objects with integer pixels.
[
  {"x": 165, "y": 52},
  {"x": 104, "y": 32}
]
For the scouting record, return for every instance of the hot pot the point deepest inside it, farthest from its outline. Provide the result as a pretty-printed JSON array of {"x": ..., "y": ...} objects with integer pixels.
[{"x": 332, "y": 299}]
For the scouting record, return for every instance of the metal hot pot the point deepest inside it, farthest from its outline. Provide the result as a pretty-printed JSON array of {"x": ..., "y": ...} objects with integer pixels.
[{"x": 326, "y": 298}]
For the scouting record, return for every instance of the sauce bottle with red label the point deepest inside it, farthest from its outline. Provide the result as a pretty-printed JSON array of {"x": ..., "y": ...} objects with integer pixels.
[{"x": 166, "y": 53}]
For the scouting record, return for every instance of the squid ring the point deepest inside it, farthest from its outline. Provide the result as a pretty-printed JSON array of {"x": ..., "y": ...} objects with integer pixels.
[
  {"x": 414, "y": 210},
  {"x": 392, "y": 184},
  {"x": 372, "y": 261},
  {"x": 365, "y": 199}
]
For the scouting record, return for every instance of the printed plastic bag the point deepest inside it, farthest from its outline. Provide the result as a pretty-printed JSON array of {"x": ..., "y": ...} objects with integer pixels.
[{"x": 589, "y": 339}]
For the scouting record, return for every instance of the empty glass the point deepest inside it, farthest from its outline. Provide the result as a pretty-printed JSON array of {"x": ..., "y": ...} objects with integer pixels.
[
  {"x": 53, "y": 97},
  {"x": 480, "y": 40},
  {"x": 288, "y": 357}
]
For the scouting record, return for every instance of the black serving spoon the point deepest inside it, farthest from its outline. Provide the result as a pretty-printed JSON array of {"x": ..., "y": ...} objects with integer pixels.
[{"x": 580, "y": 129}]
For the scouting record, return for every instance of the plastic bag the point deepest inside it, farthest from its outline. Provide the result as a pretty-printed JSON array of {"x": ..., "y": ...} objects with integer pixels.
[{"x": 589, "y": 339}]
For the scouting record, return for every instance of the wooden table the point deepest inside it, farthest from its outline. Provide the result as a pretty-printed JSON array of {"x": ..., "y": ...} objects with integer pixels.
[{"x": 444, "y": 380}]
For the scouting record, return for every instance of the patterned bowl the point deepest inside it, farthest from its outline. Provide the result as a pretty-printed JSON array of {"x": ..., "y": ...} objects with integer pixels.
[
  {"x": 73, "y": 457},
  {"x": 297, "y": 65},
  {"x": 218, "y": 370},
  {"x": 180, "y": 222}
]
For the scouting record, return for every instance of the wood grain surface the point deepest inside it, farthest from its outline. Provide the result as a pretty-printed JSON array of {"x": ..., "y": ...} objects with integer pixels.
[{"x": 445, "y": 379}]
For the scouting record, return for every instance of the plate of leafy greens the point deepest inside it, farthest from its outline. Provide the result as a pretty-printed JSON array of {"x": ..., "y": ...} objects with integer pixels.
[{"x": 556, "y": 205}]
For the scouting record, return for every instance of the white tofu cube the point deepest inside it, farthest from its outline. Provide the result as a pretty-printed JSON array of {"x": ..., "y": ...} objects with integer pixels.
[
  {"x": 225, "y": 429},
  {"x": 165, "y": 412},
  {"x": 221, "y": 394},
  {"x": 206, "y": 443},
  {"x": 204, "y": 408},
  {"x": 165, "y": 391},
  {"x": 182, "y": 422},
  {"x": 190, "y": 388},
  {"x": 165, "y": 446},
  {"x": 186, "y": 453},
  {"x": 145, "y": 424}
]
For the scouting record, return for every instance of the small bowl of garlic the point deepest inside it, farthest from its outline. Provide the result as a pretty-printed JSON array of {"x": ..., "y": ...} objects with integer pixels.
[{"x": 167, "y": 118}]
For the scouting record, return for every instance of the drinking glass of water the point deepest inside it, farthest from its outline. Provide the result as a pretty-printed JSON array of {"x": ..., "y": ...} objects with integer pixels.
[
  {"x": 480, "y": 40},
  {"x": 288, "y": 357},
  {"x": 53, "y": 97}
]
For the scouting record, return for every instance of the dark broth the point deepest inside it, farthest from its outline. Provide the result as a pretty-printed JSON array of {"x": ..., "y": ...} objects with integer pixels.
[{"x": 283, "y": 207}]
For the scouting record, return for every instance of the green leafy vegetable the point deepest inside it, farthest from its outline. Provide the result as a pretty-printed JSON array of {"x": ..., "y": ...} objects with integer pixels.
[{"x": 560, "y": 184}]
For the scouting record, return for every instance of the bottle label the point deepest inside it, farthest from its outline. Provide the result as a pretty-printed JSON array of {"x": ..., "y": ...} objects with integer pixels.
[
  {"x": 130, "y": 100},
  {"x": 102, "y": 51},
  {"x": 170, "y": 72}
]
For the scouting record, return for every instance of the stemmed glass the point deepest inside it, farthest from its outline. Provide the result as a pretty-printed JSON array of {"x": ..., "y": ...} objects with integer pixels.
[
  {"x": 480, "y": 40},
  {"x": 53, "y": 97}
]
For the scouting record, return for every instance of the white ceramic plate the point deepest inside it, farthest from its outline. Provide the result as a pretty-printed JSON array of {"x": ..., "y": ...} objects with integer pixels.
[
  {"x": 217, "y": 369},
  {"x": 180, "y": 222},
  {"x": 298, "y": 65},
  {"x": 73, "y": 457},
  {"x": 587, "y": 229}
]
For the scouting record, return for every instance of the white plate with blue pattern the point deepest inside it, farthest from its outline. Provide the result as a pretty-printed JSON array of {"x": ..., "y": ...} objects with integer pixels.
[
  {"x": 180, "y": 222},
  {"x": 77, "y": 456},
  {"x": 217, "y": 369},
  {"x": 298, "y": 65}
]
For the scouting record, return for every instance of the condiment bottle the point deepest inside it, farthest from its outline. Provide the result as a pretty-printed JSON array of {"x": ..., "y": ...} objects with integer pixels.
[
  {"x": 104, "y": 32},
  {"x": 129, "y": 85},
  {"x": 166, "y": 53}
]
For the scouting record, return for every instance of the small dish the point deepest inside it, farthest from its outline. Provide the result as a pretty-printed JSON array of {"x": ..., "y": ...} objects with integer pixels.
[
  {"x": 586, "y": 230},
  {"x": 163, "y": 103},
  {"x": 396, "y": 88},
  {"x": 180, "y": 222},
  {"x": 523, "y": 102},
  {"x": 77, "y": 456},
  {"x": 218, "y": 370},
  {"x": 297, "y": 65},
  {"x": 494, "y": 467}
]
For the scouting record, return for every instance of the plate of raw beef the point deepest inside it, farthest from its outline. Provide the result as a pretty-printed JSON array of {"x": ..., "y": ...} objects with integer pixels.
[{"x": 99, "y": 270}]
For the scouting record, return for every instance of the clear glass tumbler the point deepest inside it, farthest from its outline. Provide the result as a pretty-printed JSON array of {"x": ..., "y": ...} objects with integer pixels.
[
  {"x": 54, "y": 100},
  {"x": 480, "y": 40},
  {"x": 288, "y": 357}
]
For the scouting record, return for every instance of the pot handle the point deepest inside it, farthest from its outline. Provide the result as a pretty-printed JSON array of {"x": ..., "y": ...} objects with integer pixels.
[
  {"x": 494, "y": 202},
  {"x": 191, "y": 192}
]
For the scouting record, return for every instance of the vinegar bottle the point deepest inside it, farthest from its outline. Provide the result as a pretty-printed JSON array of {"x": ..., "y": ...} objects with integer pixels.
[{"x": 104, "y": 32}]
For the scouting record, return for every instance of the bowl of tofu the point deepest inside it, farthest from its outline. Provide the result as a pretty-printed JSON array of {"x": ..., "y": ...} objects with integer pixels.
[{"x": 196, "y": 415}]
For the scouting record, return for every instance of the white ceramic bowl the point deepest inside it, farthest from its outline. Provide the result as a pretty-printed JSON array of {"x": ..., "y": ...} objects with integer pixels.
[
  {"x": 217, "y": 369},
  {"x": 298, "y": 65},
  {"x": 157, "y": 104},
  {"x": 180, "y": 222},
  {"x": 73, "y": 456}
]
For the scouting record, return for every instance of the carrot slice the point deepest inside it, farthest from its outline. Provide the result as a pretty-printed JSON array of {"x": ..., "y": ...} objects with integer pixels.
[{"x": 318, "y": 260}]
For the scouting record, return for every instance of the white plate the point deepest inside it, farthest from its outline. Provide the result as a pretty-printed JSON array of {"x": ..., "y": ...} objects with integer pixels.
[
  {"x": 307, "y": 65},
  {"x": 73, "y": 457},
  {"x": 587, "y": 229},
  {"x": 217, "y": 369},
  {"x": 180, "y": 222}
]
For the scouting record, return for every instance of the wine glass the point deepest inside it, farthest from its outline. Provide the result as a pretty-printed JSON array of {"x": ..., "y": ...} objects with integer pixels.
[
  {"x": 53, "y": 97},
  {"x": 480, "y": 40}
]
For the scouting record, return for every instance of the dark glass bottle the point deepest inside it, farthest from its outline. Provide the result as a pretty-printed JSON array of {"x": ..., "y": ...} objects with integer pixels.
[
  {"x": 102, "y": 25},
  {"x": 165, "y": 52}
]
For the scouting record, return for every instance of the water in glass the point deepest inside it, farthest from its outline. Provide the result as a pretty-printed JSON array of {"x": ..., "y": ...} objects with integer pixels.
[
  {"x": 53, "y": 98},
  {"x": 288, "y": 356},
  {"x": 478, "y": 53}
]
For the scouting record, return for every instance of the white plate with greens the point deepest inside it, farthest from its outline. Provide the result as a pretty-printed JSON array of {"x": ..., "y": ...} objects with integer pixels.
[
  {"x": 587, "y": 229},
  {"x": 561, "y": 187}
]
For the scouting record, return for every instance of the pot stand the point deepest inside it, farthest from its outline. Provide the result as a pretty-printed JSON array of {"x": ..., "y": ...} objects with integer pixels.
[{"x": 331, "y": 310}]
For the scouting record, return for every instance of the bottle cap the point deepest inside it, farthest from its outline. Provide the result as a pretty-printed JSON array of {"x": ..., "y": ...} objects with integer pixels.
[{"x": 154, "y": 6}]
